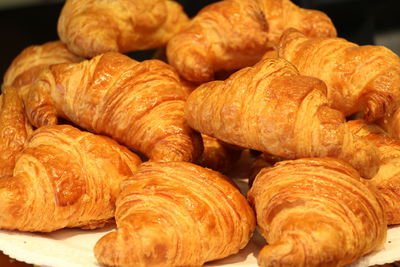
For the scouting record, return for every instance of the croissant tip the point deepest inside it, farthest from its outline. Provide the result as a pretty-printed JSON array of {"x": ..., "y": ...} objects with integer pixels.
[
  {"x": 377, "y": 106},
  {"x": 278, "y": 254}
]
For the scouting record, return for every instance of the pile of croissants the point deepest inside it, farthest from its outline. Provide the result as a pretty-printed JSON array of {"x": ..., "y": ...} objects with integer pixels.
[{"x": 90, "y": 137}]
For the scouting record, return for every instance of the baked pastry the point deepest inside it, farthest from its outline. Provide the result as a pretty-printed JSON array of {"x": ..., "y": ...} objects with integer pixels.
[
  {"x": 32, "y": 60},
  {"x": 93, "y": 27},
  {"x": 316, "y": 212},
  {"x": 139, "y": 105},
  {"x": 359, "y": 78},
  {"x": 176, "y": 214},
  {"x": 391, "y": 123},
  {"x": 271, "y": 108},
  {"x": 260, "y": 162},
  {"x": 14, "y": 129},
  {"x": 387, "y": 180},
  {"x": 223, "y": 36},
  {"x": 217, "y": 155},
  {"x": 64, "y": 178},
  {"x": 283, "y": 14}
]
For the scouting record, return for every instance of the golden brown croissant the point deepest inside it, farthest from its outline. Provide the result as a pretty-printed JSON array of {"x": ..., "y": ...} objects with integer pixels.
[
  {"x": 391, "y": 123},
  {"x": 138, "y": 104},
  {"x": 32, "y": 60},
  {"x": 387, "y": 180},
  {"x": 14, "y": 129},
  {"x": 64, "y": 178},
  {"x": 217, "y": 155},
  {"x": 93, "y": 27},
  {"x": 176, "y": 214},
  {"x": 271, "y": 108},
  {"x": 316, "y": 212},
  {"x": 223, "y": 36},
  {"x": 359, "y": 78},
  {"x": 283, "y": 14}
]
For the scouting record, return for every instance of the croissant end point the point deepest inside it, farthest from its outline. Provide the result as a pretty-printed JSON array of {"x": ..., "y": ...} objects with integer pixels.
[
  {"x": 377, "y": 106},
  {"x": 278, "y": 254}
]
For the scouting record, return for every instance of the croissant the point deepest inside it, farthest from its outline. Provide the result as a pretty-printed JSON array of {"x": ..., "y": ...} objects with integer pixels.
[
  {"x": 391, "y": 123},
  {"x": 283, "y": 14},
  {"x": 271, "y": 108},
  {"x": 223, "y": 36},
  {"x": 162, "y": 223},
  {"x": 387, "y": 180},
  {"x": 217, "y": 155},
  {"x": 32, "y": 60},
  {"x": 64, "y": 178},
  {"x": 359, "y": 78},
  {"x": 140, "y": 105},
  {"x": 92, "y": 27},
  {"x": 316, "y": 212},
  {"x": 14, "y": 129}
]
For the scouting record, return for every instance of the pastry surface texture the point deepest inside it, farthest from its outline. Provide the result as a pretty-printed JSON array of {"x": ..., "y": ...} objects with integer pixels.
[
  {"x": 176, "y": 214},
  {"x": 316, "y": 212},
  {"x": 387, "y": 180},
  {"x": 93, "y": 27},
  {"x": 64, "y": 178},
  {"x": 270, "y": 107},
  {"x": 14, "y": 129},
  {"x": 359, "y": 78},
  {"x": 25, "y": 68},
  {"x": 139, "y": 105}
]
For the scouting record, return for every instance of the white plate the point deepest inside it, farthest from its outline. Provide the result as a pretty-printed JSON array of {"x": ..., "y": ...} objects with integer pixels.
[{"x": 73, "y": 248}]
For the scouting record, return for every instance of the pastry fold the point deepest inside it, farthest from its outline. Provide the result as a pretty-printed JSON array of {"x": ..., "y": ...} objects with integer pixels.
[
  {"x": 271, "y": 108},
  {"x": 14, "y": 129},
  {"x": 139, "y": 105},
  {"x": 316, "y": 212},
  {"x": 359, "y": 78},
  {"x": 223, "y": 36},
  {"x": 387, "y": 180},
  {"x": 218, "y": 155},
  {"x": 25, "y": 68},
  {"x": 176, "y": 214},
  {"x": 93, "y": 27},
  {"x": 284, "y": 14},
  {"x": 64, "y": 178}
]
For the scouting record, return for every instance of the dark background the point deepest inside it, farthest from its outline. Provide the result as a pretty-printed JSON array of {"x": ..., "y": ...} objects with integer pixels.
[{"x": 356, "y": 20}]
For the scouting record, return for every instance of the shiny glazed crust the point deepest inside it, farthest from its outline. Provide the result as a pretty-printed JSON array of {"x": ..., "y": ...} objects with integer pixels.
[
  {"x": 270, "y": 107},
  {"x": 32, "y": 60},
  {"x": 226, "y": 35},
  {"x": 387, "y": 180},
  {"x": 283, "y": 14},
  {"x": 64, "y": 178},
  {"x": 359, "y": 78},
  {"x": 176, "y": 214},
  {"x": 14, "y": 129},
  {"x": 138, "y": 104},
  {"x": 93, "y": 27},
  {"x": 316, "y": 212}
]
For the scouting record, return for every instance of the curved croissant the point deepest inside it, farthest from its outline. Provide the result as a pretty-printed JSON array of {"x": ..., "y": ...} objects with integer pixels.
[
  {"x": 93, "y": 27},
  {"x": 283, "y": 14},
  {"x": 137, "y": 104},
  {"x": 316, "y": 212},
  {"x": 32, "y": 60},
  {"x": 226, "y": 35},
  {"x": 387, "y": 180},
  {"x": 359, "y": 78},
  {"x": 64, "y": 178},
  {"x": 14, "y": 129},
  {"x": 176, "y": 214},
  {"x": 271, "y": 108}
]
